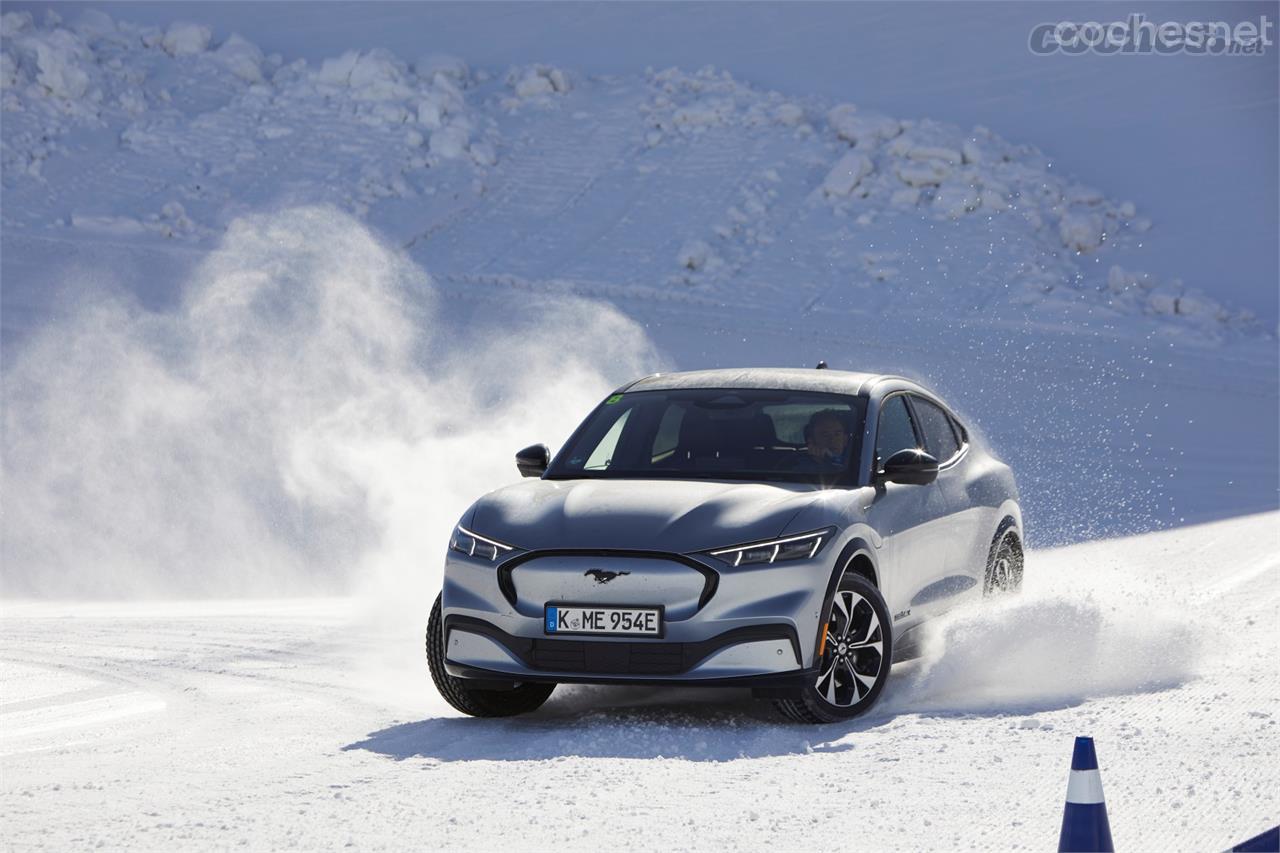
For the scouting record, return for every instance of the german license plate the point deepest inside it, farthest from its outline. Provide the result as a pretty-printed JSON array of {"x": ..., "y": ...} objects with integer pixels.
[{"x": 620, "y": 621}]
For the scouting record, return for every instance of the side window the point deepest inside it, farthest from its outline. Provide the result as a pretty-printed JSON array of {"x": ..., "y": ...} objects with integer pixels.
[
  {"x": 894, "y": 432},
  {"x": 939, "y": 439},
  {"x": 602, "y": 456}
]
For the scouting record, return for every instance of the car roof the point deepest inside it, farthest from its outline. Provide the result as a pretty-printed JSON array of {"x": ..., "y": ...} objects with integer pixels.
[{"x": 789, "y": 378}]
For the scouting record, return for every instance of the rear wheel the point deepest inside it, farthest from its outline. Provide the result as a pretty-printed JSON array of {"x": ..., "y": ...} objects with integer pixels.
[
  {"x": 1004, "y": 564},
  {"x": 855, "y": 656},
  {"x": 521, "y": 699}
]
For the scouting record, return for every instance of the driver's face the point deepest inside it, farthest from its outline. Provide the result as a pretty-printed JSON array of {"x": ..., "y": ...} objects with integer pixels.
[{"x": 828, "y": 437}]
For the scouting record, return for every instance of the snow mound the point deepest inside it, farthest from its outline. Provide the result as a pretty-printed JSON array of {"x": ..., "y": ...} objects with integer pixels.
[{"x": 773, "y": 191}]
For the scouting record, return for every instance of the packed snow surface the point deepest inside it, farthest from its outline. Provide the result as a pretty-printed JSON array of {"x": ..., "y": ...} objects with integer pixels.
[{"x": 305, "y": 724}]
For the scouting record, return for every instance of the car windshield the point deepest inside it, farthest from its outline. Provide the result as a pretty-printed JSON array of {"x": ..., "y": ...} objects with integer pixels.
[{"x": 764, "y": 435}]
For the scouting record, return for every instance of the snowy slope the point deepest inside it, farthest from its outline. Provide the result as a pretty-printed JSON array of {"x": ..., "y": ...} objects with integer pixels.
[
  {"x": 1191, "y": 137},
  {"x": 695, "y": 219},
  {"x": 286, "y": 724}
]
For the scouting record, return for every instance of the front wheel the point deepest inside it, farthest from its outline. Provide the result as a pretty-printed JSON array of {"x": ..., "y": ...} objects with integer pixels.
[
  {"x": 856, "y": 651},
  {"x": 521, "y": 699}
]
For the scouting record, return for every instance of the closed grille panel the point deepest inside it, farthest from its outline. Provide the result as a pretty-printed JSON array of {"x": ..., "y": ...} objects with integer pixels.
[{"x": 602, "y": 658}]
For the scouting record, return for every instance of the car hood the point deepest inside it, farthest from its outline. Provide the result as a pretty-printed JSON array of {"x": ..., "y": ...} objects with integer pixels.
[{"x": 652, "y": 515}]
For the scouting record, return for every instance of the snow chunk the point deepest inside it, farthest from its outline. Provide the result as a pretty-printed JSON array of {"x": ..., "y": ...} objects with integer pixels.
[
  {"x": 374, "y": 76},
  {"x": 483, "y": 153},
  {"x": 241, "y": 57},
  {"x": 861, "y": 129},
  {"x": 58, "y": 56},
  {"x": 1081, "y": 231},
  {"x": 432, "y": 110},
  {"x": 337, "y": 71},
  {"x": 927, "y": 173},
  {"x": 848, "y": 171},
  {"x": 186, "y": 39},
  {"x": 538, "y": 80},
  {"x": 378, "y": 76},
  {"x": 450, "y": 142}
]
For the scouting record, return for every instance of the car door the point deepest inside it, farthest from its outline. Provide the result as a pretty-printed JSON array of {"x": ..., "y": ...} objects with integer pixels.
[
  {"x": 961, "y": 575},
  {"x": 911, "y": 519}
]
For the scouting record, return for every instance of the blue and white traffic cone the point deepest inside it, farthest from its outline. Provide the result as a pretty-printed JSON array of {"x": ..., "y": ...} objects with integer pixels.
[
  {"x": 1267, "y": 842},
  {"x": 1085, "y": 828}
]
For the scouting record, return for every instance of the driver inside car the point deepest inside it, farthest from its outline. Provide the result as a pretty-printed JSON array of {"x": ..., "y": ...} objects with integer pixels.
[{"x": 826, "y": 442}]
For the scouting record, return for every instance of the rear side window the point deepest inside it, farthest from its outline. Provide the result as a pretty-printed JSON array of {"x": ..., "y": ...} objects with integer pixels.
[
  {"x": 939, "y": 438},
  {"x": 895, "y": 431}
]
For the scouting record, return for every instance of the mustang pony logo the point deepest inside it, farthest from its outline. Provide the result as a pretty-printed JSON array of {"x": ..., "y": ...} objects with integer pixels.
[{"x": 602, "y": 576}]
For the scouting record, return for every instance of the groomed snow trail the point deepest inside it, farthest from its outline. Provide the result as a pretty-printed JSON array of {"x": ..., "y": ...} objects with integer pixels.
[{"x": 299, "y": 724}]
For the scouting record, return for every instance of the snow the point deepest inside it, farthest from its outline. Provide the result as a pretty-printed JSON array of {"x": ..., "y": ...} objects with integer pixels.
[
  {"x": 186, "y": 39},
  {"x": 861, "y": 129},
  {"x": 241, "y": 57},
  {"x": 539, "y": 80},
  {"x": 449, "y": 142},
  {"x": 273, "y": 313},
  {"x": 57, "y": 57},
  {"x": 848, "y": 171},
  {"x": 1081, "y": 232},
  {"x": 295, "y": 723}
]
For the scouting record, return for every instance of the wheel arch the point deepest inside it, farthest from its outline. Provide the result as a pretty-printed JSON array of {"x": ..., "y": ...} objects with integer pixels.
[{"x": 858, "y": 554}]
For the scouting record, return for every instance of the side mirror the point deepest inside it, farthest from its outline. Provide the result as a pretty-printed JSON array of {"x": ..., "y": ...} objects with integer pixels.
[
  {"x": 534, "y": 459},
  {"x": 910, "y": 466}
]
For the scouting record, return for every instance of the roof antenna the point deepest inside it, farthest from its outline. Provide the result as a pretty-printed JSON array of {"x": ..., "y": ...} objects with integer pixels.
[{"x": 822, "y": 365}]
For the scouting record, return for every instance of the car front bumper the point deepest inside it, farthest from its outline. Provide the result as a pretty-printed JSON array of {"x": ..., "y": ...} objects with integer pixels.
[{"x": 750, "y": 625}]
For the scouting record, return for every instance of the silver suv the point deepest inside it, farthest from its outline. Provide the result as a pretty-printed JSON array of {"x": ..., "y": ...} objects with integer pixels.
[{"x": 787, "y": 531}]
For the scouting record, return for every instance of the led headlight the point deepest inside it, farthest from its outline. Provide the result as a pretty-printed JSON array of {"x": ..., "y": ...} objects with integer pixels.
[
  {"x": 800, "y": 547},
  {"x": 475, "y": 545}
]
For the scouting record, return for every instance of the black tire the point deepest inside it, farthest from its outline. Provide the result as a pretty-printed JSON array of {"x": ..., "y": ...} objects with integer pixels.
[
  {"x": 522, "y": 699},
  {"x": 1004, "y": 563},
  {"x": 848, "y": 666}
]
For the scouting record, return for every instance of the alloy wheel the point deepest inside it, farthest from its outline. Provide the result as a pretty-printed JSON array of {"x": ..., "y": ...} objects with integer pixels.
[{"x": 853, "y": 651}]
